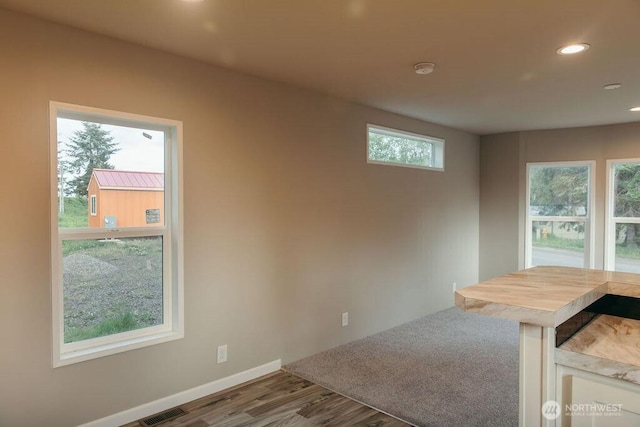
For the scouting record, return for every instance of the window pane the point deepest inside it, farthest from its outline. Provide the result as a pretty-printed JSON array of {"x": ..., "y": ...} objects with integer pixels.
[
  {"x": 626, "y": 190},
  {"x": 628, "y": 248},
  {"x": 109, "y": 176},
  {"x": 389, "y": 146},
  {"x": 558, "y": 243},
  {"x": 558, "y": 191},
  {"x": 111, "y": 286},
  {"x": 399, "y": 150}
]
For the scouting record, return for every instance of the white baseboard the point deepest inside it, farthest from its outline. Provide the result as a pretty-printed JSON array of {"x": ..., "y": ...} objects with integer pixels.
[{"x": 183, "y": 397}]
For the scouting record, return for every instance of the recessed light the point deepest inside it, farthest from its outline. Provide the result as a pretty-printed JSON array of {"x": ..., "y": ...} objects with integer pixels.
[
  {"x": 634, "y": 109},
  {"x": 612, "y": 86},
  {"x": 424, "y": 67},
  {"x": 572, "y": 48}
]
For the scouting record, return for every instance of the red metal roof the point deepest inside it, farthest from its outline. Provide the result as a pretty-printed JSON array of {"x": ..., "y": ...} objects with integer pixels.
[{"x": 111, "y": 178}]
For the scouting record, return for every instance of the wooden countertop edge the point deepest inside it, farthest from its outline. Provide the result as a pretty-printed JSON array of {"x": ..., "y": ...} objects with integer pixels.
[
  {"x": 539, "y": 316},
  {"x": 579, "y": 304},
  {"x": 623, "y": 289},
  {"x": 505, "y": 311}
]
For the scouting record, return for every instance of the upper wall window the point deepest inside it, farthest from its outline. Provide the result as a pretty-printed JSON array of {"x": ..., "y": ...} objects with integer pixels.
[
  {"x": 399, "y": 148},
  {"x": 116, "y": 267}
]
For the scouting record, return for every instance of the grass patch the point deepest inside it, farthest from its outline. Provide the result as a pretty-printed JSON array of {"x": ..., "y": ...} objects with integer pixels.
[
  {"x": 551, "y": 241},
  {"x": 121, "y": 322},
  {"x": 110, "y": 249},
  {"x": 628, "y": 252},
  {"x": 71, "y": 246},
  {"x": 75, "y": 213},
  {"x": 577, "y": 245}
]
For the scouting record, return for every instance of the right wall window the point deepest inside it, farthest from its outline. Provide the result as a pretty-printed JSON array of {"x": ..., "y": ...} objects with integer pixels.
[
  {"x": 559, "y": 214},
  {"x": 622, "y": 233}
]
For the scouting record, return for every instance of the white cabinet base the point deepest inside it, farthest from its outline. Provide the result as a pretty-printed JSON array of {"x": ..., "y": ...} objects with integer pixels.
[
  {"x": 594, "y": 404},
  {"x": 584, "y": 396}
]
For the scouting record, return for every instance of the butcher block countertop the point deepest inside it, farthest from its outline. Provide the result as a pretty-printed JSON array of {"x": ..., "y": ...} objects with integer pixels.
[{"x": 545, "y": 296}]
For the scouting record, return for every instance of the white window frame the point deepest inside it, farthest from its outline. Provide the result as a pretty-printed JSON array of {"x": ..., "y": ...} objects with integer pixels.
[
  {"x": 94, "y": 205},
  {"x": 436, "y": 143},
  {"x": 588, "y": 219},
  {"x": 172, "y": 327},
  {"x": 610, "y": 219}
]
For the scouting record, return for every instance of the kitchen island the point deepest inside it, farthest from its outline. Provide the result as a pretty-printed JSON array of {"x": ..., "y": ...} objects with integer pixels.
[{"x": 579, "y": 342}]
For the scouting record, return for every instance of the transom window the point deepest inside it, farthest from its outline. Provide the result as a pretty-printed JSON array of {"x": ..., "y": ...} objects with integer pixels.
[
  {"x": 394, "y": 147},
  {"x": 116, "y": 231},
  {"x": 559, "y": 214}
]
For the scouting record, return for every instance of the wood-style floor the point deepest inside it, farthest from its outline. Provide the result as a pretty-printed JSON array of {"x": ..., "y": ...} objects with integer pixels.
[{"x": 278, "y": 399}]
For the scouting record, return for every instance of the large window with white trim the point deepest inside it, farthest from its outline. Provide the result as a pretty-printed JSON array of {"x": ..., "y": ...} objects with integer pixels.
[
  {"x": 622, "y": 230},
  {"x": 117, "y": 254},
  {"x": 559, "y": 214}
]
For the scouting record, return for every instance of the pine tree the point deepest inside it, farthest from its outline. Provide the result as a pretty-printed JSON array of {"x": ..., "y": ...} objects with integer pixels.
[{"x": 88, "y": 149}]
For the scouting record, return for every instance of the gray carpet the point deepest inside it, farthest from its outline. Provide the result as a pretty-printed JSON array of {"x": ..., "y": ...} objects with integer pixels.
[{"x": 450, "y": 368}]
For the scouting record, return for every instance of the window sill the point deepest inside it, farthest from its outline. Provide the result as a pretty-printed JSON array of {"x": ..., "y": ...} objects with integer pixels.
[{"x": 100, "y": 350}]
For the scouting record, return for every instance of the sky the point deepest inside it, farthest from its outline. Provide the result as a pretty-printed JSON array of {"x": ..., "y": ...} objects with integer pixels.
[{"x": 136, "y": 153}]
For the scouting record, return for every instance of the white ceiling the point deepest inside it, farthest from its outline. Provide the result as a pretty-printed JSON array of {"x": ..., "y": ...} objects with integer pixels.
[{"x": 496, "y": 69}]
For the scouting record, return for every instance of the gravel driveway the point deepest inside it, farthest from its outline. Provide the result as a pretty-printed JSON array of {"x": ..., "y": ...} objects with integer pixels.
[{"x": 109, "y": 280}]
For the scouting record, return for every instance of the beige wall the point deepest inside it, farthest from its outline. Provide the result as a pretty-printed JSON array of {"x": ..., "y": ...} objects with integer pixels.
[
  {"x": 286, "y": 226},
  {"x": 503, "y": 184},
  {"x": 499, "y": 205}
]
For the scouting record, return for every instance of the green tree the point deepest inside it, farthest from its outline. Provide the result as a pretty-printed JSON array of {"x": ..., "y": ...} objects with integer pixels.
[
  {"x": 88, "y": 149},
  {"x": 399, "y": 150},
  {"x": 627, "y": 201},
  {"x": 559, "y": 191}
]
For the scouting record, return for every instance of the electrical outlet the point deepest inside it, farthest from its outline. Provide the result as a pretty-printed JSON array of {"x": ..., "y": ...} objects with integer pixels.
[
  {"x": 345, "y": 319},
  {"x": 455, "y": 286},
  {"x": 222, "y": 353}
]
